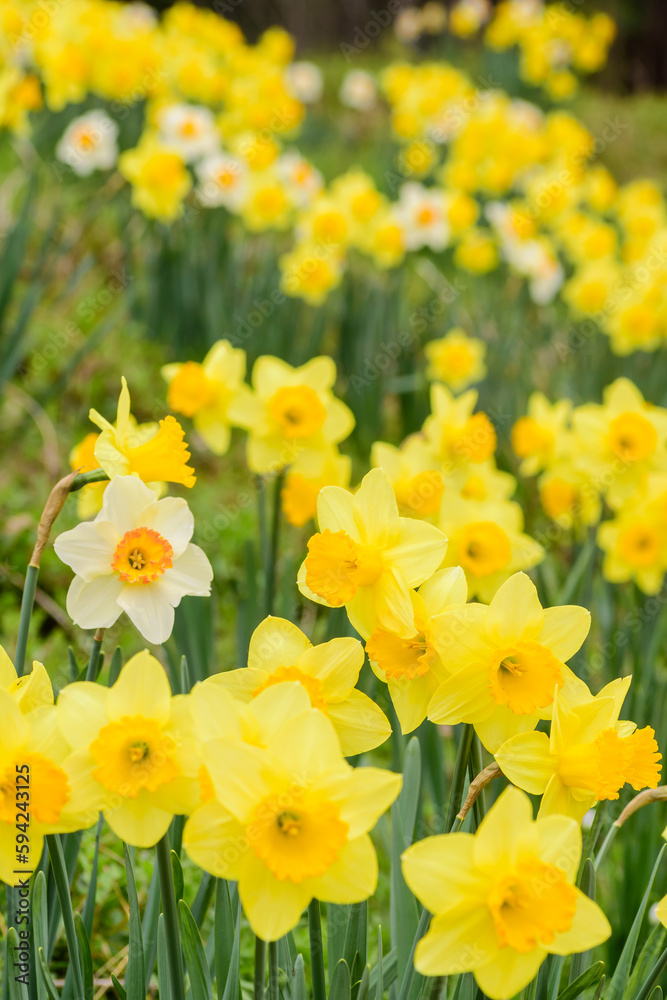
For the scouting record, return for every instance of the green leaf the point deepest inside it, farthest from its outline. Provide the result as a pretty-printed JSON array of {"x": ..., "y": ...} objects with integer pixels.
[
  {"x": 656, "y": 994},
  {"x": 622, "y": 971},
  {"x": 362, "y": 993},
  {"x": 653, "y": 946},
  {"x": 224, "y": 933},
  {"x": 233, "y": 980},
  {"x": 163, "y": 973},
  {"x": 412, "y": 981},
  {"x": 48, "y": 982},
  {"x": 352, "y": 934},
  {"x": 379, "y": 983},
  {"x": 17, "y": 990},
  {"x": 60, "y": 873},
  {"x": 119, "y": 988},
  {"x": 149, "y": 926},
  {"x": 408, "y": 800},
  {"x": 340, "y": 988},
  {"x": 648, "y": 983},
  {"x": 201, "y": 987},
  {"x": 589, "y": 978},
  {"x": 388, "y": 974},
  {"x": 338, "y": 916},
  {"x": 299, "y": 988},
  {"x": 135, "y": 975},
  {"x": 115, "y": 666},
  {"x": 86, "y": 957},
  {"x": 177, "y": 875},
  {"x": 404, "y": 916}
]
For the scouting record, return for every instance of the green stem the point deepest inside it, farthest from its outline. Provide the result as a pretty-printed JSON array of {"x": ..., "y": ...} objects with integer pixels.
[
  {"x": 274, "y": 980},
  {"x": 27, "y": 603},
  {"x": 85, "y": 478},
  {"x": 260, "y": 967},
  {"x": 94, "y": 661},
  {"x": 272, "y": 549},
  {"x": 459, "y": 778},
  {"x": 170, "y": 912},
  {"x": 62, "y": 887},
  {"x": 316, "y": 950},
  {"x": 479, "y": 806}
]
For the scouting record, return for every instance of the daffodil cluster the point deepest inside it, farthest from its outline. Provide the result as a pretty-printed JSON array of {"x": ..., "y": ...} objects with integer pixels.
[{"x": 604, "y": 458}]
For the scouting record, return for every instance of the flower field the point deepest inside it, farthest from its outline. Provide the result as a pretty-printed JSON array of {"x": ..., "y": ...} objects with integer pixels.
[{"x": 334, "y": 509}]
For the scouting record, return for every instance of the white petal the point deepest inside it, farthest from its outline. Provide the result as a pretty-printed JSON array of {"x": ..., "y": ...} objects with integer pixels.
[
  {"x": 94, "y": 604},
  {"x": 125, "y": 500},
  {"x": 88, "y": 549},
  {"x": 173, "y": 519},
  {"x": 148, "y": 611},
  {"x": 191, "y": 574}
]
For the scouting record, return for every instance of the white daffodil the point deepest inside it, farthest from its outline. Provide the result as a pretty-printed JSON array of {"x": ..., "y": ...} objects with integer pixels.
[
  {"x": 223, "y": 180},
  {"x": 358, "y": 90},
  {"x": 190, "y": 130},
  {"x": 422, "y": 214},
  {"x": 89, "y": 143},
  {"x": 136, "y": 557}
]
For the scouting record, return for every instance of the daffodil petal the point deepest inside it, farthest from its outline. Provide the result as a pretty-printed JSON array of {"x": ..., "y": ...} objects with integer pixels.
[
  {"x": 138, "y": 822},
  {"x": 564, "y": 630},
  {"x": 88, "y": 549},
  {"x": 215, "y": 840},
  {"x": 508, "y": 972},
  {"x": 560, "y": 843},
  {"x": 82, "y": 711},
  {"x": 276, "y": 642},
  {"x": 459, "y": 940},
  {"x": 515, "y": 612},
  {"x": 376, "y": 512},
  {"x": 94, "y": 604},
  {"x": 307, "y": 746},
  {"x": 335, "y": 511},
  {"x": 527, "y": 761},
  {"x": 150, "y": 612},
  {"x": 441, "y": 871},
  {"x": 361, "y": 725},
  {"x": 336, "y": 663},
  {"x": 272, "y": 906},
  {"x": 506, "y": 831},
  {"x": 352, "y": 877},
  {"x": 589, "y": 928},
  {"x": 463, "y": 697},
  {"x": 418, "y": 551},
  {"x": 501, "y": 725},
  {"x": 173, "y": 519},
  {"x": 363, "y": 793},
  {"x": 142, "y": 688}
]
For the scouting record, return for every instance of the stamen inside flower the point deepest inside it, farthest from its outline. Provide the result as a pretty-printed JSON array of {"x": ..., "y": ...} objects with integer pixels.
[
  {"x": 336, "y": 566},
  {"x": 132, "y": 754},
  {"x": 531, "y": 904},
  {"x": 400, "y": 657},
  {"x": 313, "y": 685},
  {"x": 524, "y": 676},
  {"x": 641, "y": 543},
  {"x": 297, "y": 410},
  {"x": 531, "y": 438},
  {"x": 297, "y": 834},
  {"x": 142, "y": 556},
  {"x": 484, "y": 548}
]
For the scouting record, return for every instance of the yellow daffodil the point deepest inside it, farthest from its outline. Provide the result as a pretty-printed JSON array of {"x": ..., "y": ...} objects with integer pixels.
[
  {"x": 133, "y": 746},
  {"x": 159, "y": 178},
  {"x": 407, "y": 659},
  {"x": 290, "y": 822},
  {"x": 504, "y": 898},
  {"x": 456, "y": 359},
  {"x": 153, "y": 453},
  {"x": 366, "y": 557},
  {"x": 505, "y": 662},
  {"x": 415, "y": 473},
  {"x": 540, "y": 437},
  {"x": 588, "y": 757},
  {"x": 486, "y": 538},
  {"x": 568, "y": 495},
  {"x": 454, "y": 433},
  {"x": 29, "y": 691},
  {"x": 635, "y": 547},
  {"x": 280, "y": 653},
  {"x": 305, "y": 479},
  {"x": 621, "y": 441},
  {"x": 40, "y": 786},
  {"x": 290, "y": 412},
  {"x": 204, "y": 391}
]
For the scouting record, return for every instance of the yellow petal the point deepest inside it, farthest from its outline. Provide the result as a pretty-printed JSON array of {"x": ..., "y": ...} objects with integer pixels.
[
  {"x": 33, "y": 689},
  {"x": 501, "y": 725},
  {"x": 441, "y": 871},
  {"x": 375, "y": 510},
  {"x": 240, "y": 774},
  {"x": 215, "y": 712},
  {"x": 508, "y": 973},
  {"x": 458, "y": 636},
  {"x": 589, "y": 928},
  {"x": 276, "y": 642},
  {"x": 336, "y": 663},
  {"x": 363, "y": 793},
  {"x": 138, "y": 822},
  {"x": 215, "y": 840},
  {"x": 361, "y": 725},
  {"x": 308, "y": 746},
  {"x": 559, "y": 800},
  {"x": 353, "y": 877},
  {"x": 527, "y": 761},
  {"x": 273, "y": 907},
  {"x": 463, "y": 697},
  {"x": 418, "y": 551},
  {"x": 564, "y": 630},
  {"x": 240, "y": 683},
  {"x": 560, "y": 843},
  {"x": 411, "y": 698},
  {"x": 506, "y": 831},
  {"x": 515, "y": 612},
  {"x": 277, "y": 706},
  {"x": 142, "y": 688},
  {"x": 82, "y": 711},
  {"x": 446, "y": 587},
  {"x": 7, "y": 671},
  {"x": 387, "y": 604},
  {"x": 661, "y": 911},
  {"x": 459, "y": 940}
]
